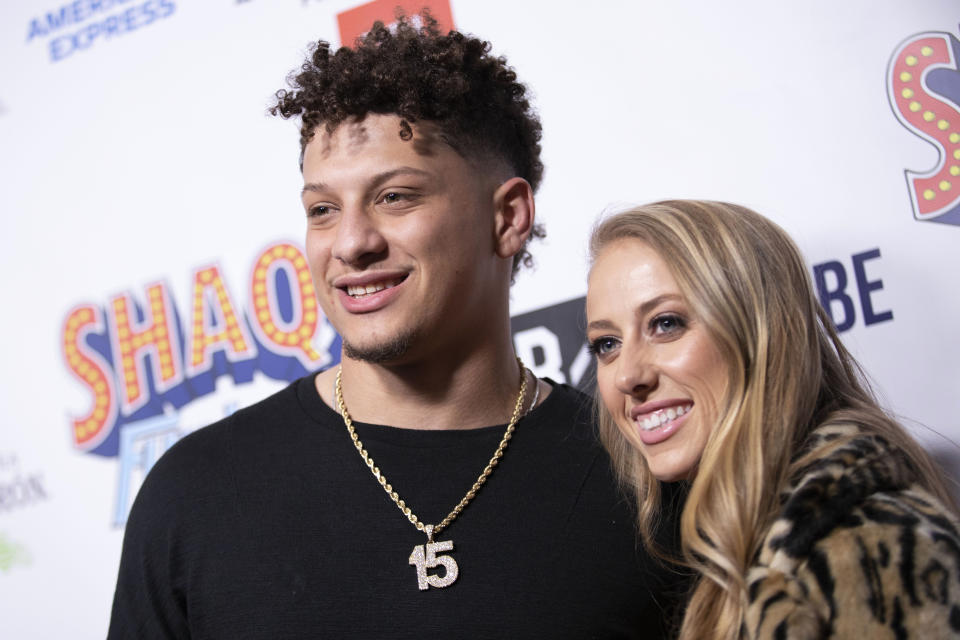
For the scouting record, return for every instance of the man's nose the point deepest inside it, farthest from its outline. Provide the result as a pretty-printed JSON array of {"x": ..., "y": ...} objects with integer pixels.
[{"x": 358, "y": 237}]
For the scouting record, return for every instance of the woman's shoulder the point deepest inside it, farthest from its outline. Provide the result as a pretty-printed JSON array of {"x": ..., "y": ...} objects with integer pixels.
[{"x": 859, "y": 547}]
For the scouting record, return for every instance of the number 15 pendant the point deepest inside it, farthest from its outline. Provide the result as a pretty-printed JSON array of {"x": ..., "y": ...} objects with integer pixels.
[{"x": 425, "y": 557}]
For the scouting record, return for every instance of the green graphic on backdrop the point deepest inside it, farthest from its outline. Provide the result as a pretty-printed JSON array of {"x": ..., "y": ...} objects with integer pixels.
[{"x": 12, "y": 554}]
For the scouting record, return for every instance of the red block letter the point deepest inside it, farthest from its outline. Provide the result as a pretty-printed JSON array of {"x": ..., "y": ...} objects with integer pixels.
[
  {"x": 935, "y": 195},
  {"x": 93, "y": 372},
  {"x": 132, "y": 341},
  {"x": 214, "y": 323},
  {"x": 295, "y": 337}
]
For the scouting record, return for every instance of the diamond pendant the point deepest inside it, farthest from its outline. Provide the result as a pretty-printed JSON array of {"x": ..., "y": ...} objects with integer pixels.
[{"x": 425, "y": 557}]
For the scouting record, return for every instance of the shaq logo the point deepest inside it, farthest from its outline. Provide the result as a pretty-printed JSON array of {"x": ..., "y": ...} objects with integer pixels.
[
  {"x": 154, "y": 369},
  {"x": 923, "y": 84}
]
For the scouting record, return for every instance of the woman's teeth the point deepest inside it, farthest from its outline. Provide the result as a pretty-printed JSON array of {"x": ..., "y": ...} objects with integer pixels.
[{"x": 662, "y": 416}]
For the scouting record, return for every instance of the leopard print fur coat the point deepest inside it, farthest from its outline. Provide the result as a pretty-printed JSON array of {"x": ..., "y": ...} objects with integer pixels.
[{"x": 858, "y": 551}]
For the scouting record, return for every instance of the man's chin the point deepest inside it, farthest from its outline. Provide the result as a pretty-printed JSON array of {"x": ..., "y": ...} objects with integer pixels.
[{"x": 384, "y": 352}]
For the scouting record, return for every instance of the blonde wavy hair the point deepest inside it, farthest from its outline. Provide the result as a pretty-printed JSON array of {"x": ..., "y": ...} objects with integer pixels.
[{"x": 788, "y": 372}]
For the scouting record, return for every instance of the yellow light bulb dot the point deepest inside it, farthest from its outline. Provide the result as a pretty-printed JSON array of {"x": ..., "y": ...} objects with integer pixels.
[
  {"x": 926, "y": 52},
  {"x": 943, "y": 125},
  {"x": 929, "y": 194},
  {"x": 911, "y": 61},
  {"x": 907, "y": 93},
  {"x": 914, "y": 106},
  {"x": 928, "y": 116},
  {"x": 955, "y": 138},
  {"x": 955, "y": 170},
  {"x": 906, "y": 76},
  {"x": 944, "y": 185}
]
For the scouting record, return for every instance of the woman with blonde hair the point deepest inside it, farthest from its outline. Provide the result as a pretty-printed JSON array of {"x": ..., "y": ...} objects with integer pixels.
[{"x": 810, "y": 513}]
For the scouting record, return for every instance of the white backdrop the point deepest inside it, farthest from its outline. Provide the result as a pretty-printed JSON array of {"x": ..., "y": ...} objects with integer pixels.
[{"x": 135, "y": 149}]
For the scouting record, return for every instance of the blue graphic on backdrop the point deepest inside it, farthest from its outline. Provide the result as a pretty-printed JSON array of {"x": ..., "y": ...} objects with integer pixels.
[{"x": 79, "y": 25}]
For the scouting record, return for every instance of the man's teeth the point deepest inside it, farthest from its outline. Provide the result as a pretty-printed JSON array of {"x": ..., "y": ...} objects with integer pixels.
[
  {"x": 358, "y": 291},
  {"x": 663, "y": 416}
]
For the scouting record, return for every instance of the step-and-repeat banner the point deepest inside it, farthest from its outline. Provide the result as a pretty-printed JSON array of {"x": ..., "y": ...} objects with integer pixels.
[{"x": 152, "y": 262}]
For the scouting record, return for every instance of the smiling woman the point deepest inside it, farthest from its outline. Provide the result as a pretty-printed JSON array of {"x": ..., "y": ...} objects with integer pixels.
[{"x": 810, "y": 512}]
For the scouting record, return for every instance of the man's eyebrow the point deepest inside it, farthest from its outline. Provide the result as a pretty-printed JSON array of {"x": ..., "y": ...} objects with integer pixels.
[{"x": 374, "y": 181}]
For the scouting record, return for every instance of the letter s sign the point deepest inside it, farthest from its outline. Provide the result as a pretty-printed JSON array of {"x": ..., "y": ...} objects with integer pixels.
[{"x": 923, "y": 84}]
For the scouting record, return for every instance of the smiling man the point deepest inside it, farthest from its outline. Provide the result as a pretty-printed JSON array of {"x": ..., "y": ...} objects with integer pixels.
[{"x": 430, "y": 484}]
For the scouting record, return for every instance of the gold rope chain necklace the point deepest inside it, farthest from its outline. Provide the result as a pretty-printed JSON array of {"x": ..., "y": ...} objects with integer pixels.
[{"x": 425, "y": 557}]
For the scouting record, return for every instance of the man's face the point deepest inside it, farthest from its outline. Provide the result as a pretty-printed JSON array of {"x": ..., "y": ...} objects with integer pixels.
[{"x": 400, "y": 239}]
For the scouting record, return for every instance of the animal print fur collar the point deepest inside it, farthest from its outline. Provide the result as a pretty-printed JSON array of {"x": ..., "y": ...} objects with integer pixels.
[{"x": 823, "y": 493}]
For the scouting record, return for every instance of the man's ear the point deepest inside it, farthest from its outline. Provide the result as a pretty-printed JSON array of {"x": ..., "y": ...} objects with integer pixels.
[{"x": 513, "y": 216}]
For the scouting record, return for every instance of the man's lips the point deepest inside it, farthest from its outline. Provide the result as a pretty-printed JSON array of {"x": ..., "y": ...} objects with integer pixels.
[
  {"x": 359, "y": 285},
  {"x": 360, "y": 290},
  {"x": 363, "y": 293}
]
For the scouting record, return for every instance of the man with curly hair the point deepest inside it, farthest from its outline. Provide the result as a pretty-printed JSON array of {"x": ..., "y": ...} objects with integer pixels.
[{"x": 375, "y": 499}]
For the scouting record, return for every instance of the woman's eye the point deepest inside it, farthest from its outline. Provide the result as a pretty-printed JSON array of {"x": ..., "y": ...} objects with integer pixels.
[
  {"x": 667, "y": 323},
  {"x": 318, "y": 210},
  {"x": 602, "y": 346}
]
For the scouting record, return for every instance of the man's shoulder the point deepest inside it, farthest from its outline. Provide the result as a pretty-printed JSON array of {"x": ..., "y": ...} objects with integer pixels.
[
  {"x": 567, "y": 411},
  {"x": 206, "y": 455}
]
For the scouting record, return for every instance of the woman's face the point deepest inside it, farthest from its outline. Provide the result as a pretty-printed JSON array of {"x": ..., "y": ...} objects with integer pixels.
[{"x": 659, "y": 371}]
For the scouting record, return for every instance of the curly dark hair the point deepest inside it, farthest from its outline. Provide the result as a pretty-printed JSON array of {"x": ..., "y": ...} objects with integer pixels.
[{"x": 418, "y": 74}]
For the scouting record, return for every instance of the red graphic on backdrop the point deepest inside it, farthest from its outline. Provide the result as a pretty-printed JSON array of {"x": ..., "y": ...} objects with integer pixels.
[
  {"x": 924, "y": 87},
  {"x": 93, "y": 371},
  {"x": 134, "y": 356},
  {"x": 357, "y": 21},
  {"x": 292, "y": 337},
  {"x": 133, "y": 341},
  {"x": 215, "y": 323}
]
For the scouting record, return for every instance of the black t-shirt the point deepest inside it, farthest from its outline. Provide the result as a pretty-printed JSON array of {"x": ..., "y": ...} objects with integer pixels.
[{"x": 268, "y": 524}]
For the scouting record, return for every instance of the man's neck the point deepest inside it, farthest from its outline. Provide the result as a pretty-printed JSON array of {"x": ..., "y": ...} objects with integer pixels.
[{"x": 463, "y": 391}]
